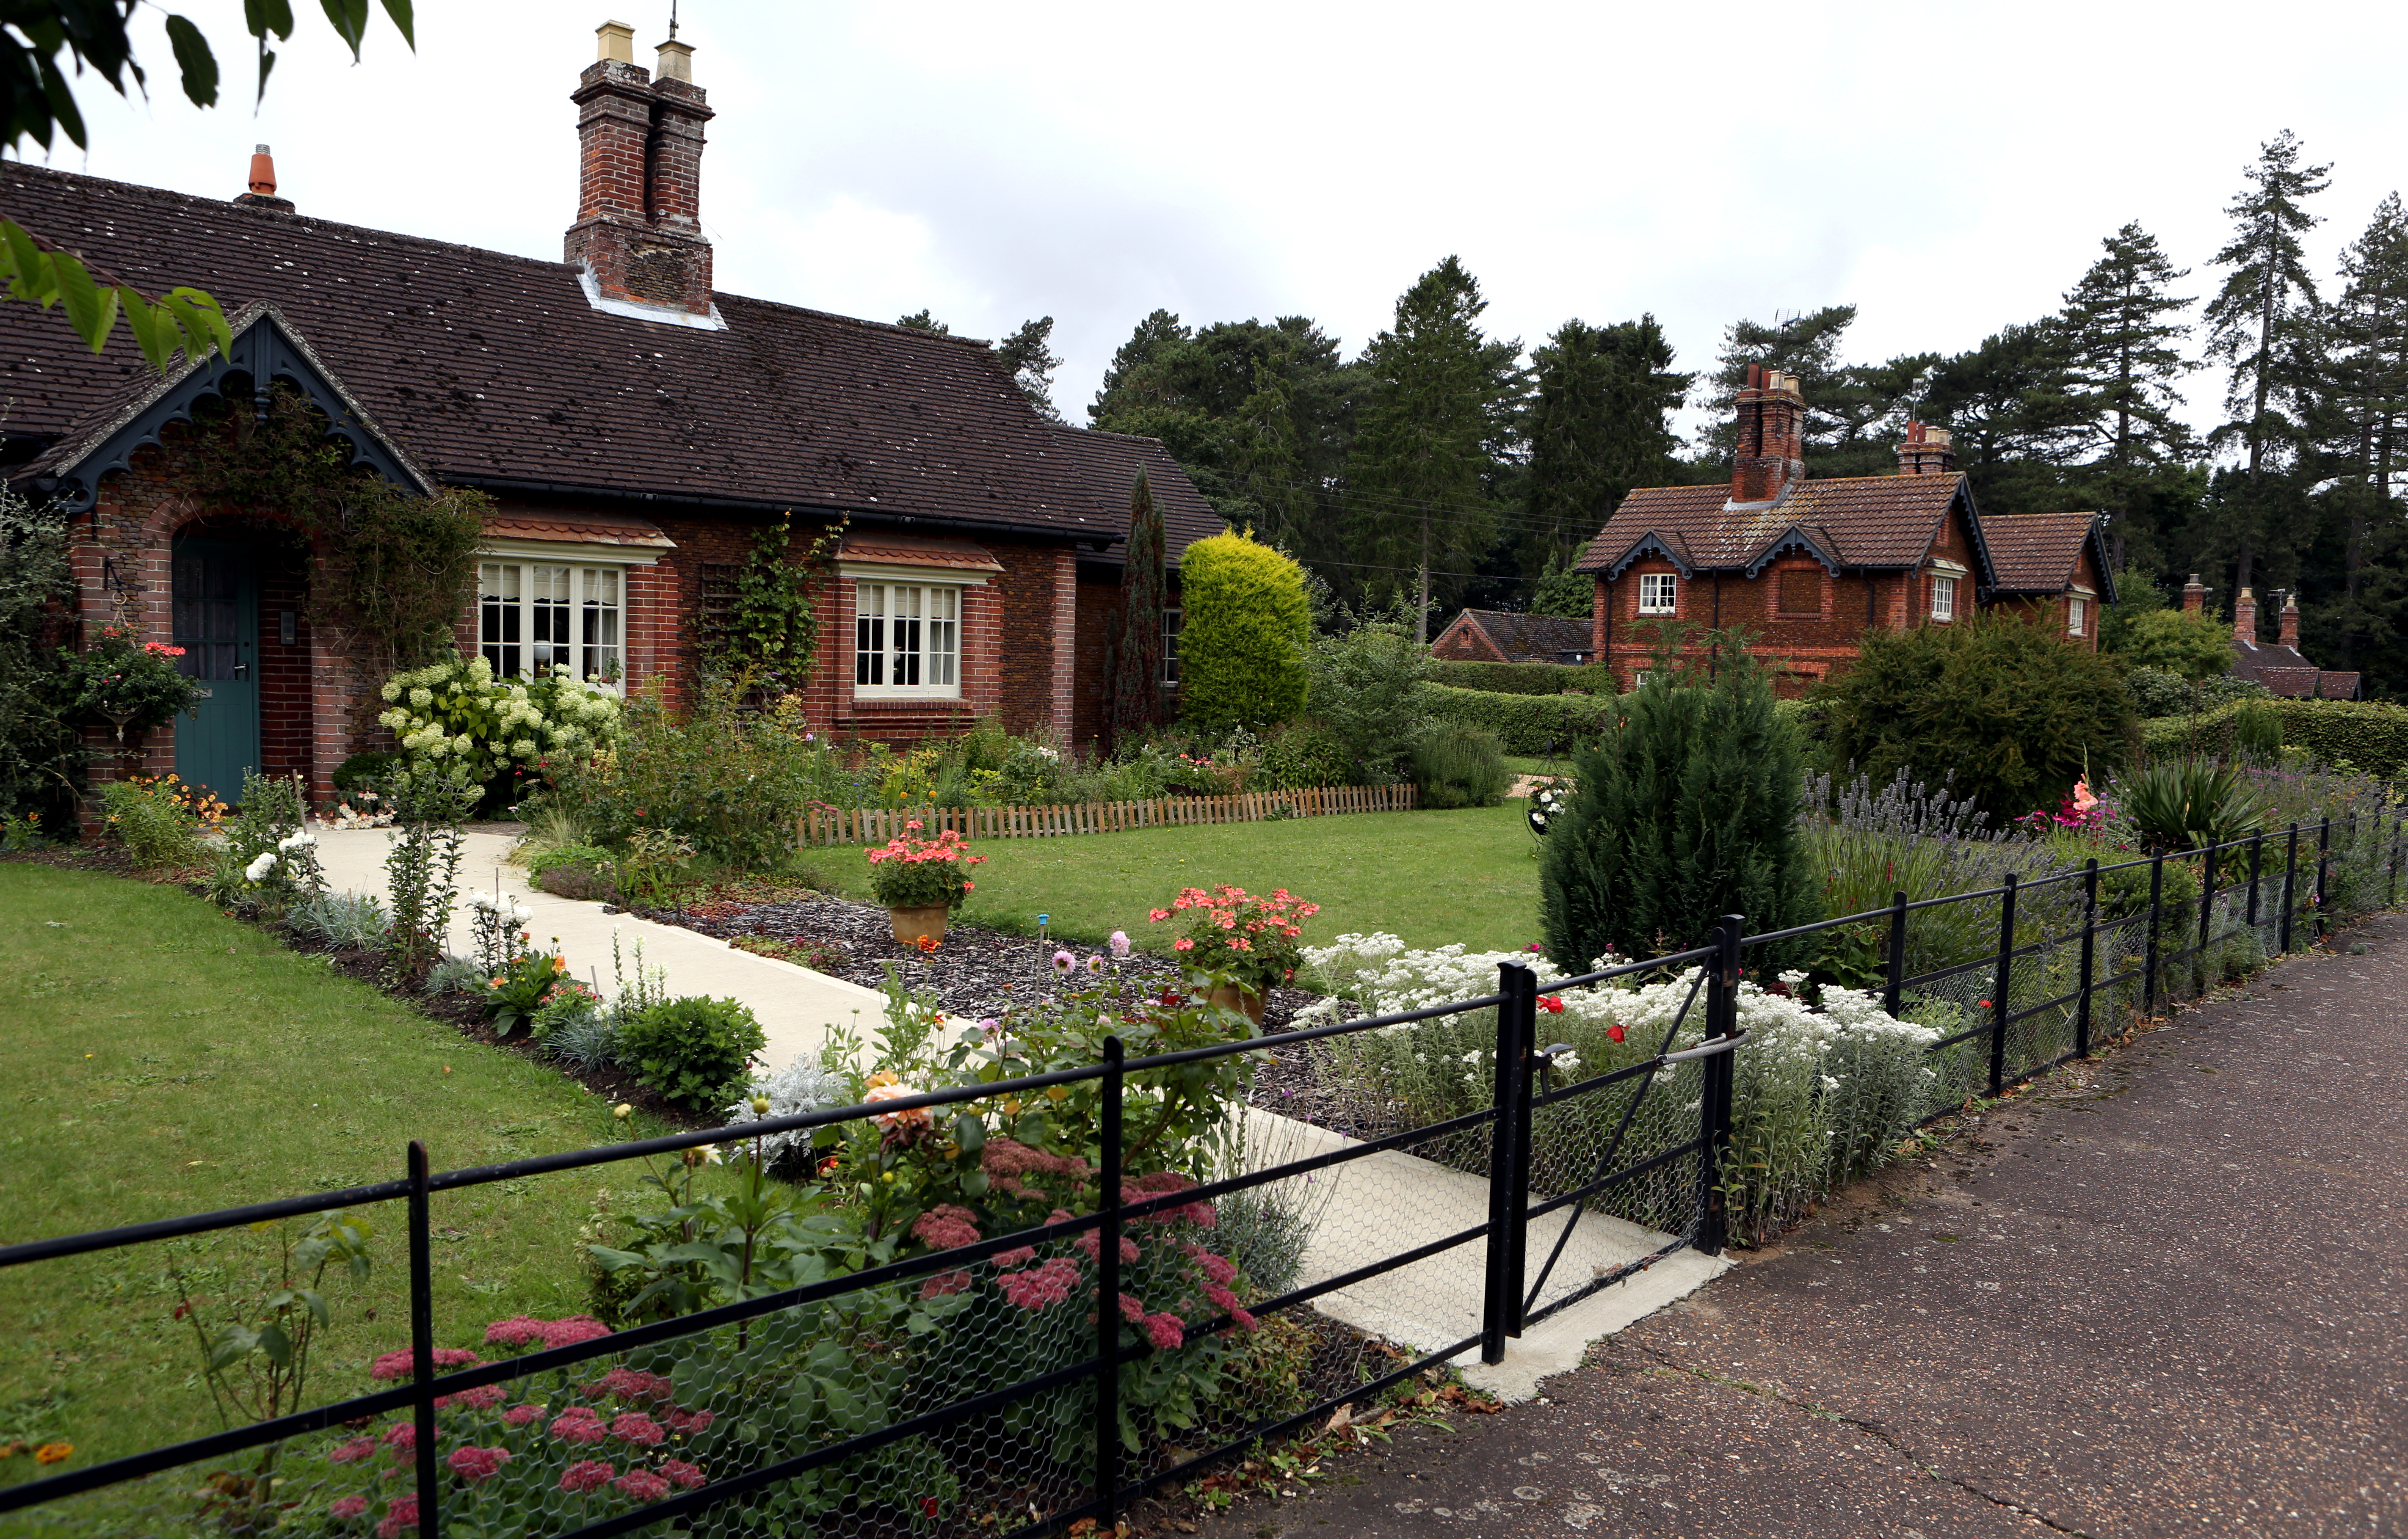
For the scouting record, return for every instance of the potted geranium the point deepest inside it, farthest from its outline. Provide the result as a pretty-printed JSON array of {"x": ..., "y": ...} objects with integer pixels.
[
  {"x": 130, "y": 684},
  {"x": 1248, "y": 940},
  {"x": 921, "y": 882}
]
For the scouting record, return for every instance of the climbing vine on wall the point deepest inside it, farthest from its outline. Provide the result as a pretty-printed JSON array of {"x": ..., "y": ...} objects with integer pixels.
[{"x": 767, "y": 629}]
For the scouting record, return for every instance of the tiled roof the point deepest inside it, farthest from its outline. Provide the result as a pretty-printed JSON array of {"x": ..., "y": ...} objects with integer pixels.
[
  {"x": 1109, "y": 462},
  {"x": 492, "y": 369},
  {"x": 2287, "y": 672},
  {"x": 1861, "y": 520},
  {"x": 2036, "y": 552},
  {"x": 522, "y": 523},
  {"x": 1532, "y": 638},
  {"x": 877, "y": 544}
]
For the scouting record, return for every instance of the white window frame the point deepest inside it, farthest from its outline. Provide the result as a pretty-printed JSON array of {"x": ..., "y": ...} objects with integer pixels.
[
  {"x": 1665, "y": 589},
  {"x": 1174, "y": 621},
  {"x": 1943, "y": 597},
  {"x": 1639, "y": 677},
  {"x": 907, "y": 638},
  {"x": 2078, "y": 614},
  {"x": 534, "y": 612}
]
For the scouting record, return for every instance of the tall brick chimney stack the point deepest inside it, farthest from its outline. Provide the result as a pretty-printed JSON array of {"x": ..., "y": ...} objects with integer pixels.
[
  {"x": 2194, "y": 596},
  {"x": 1926, "y": 451},
  {"x": 1772, "y": 439},
  {"x": 2245, "y": 618},
  {"x": 639, "y": 178},
  {"x": 2289, "y": 621}
]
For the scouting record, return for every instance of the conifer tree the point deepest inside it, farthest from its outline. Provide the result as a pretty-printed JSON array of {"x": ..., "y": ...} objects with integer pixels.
[
  {"x": 2264, "y": 324},
  {"x": 2367, "y": 330},
  {"x": 1027, "y": 355},
  {"x": 1596, "y": 425},
  {"x": 1685, "y": 812},
  {"x": 1438, "y": 390},
  {"x": 2124, "y": 334},
  {"x": 1136, "y": 651}
]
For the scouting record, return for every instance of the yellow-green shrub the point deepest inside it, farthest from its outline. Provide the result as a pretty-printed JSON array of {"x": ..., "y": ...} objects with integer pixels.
[{"x": 1242, "y": 637}]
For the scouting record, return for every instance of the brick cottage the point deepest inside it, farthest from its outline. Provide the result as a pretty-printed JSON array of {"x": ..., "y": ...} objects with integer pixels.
[
  {"x": 635, "y": 428},
  {"x": 1808, "y": 566}
]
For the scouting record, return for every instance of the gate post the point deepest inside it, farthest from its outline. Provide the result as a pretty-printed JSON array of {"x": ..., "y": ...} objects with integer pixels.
[
  {"x": 2089, "y": 948},
  {"x": 1509, "y": 1159},
  {"x": 2156, "y": 911},
  {"x": 422, "y": 1344},
  {"x": 1107, "y": 1293},
  {"x": 1714, "y": 1086},
  {"x": 2324, "y": 847},
  {"x": 2257, "y": 860},
  {"x": 2291, "y": 880},
  {"x": 2000, "y": 978}
]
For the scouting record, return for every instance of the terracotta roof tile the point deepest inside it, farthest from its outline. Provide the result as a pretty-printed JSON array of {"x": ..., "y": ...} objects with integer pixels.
[
  {"x": 521, "y": 523},
  {"x": 879, "y": 545},
  {"x": 492, "y": 368},
  {"x": 1862, "y": 520},
  {"x": 2036, "y": 552},
  {"x": 1532, "y": 638}
]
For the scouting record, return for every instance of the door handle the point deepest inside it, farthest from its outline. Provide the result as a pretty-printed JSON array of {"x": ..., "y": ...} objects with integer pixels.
[{"x": 242, "y": 670}]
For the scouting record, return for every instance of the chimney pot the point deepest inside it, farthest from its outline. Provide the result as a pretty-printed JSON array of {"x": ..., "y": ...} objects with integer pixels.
[
  {"x": 2194, "y": 597},
  {"x": 616, "y": 43},
  {"x": 2289, "y": 621},
  {"x": 262, "y": 184},
  {"x": 675, "y": 62},
  {"x": 2245, "y": 618},
  {"x": 1927, "y": 450}
]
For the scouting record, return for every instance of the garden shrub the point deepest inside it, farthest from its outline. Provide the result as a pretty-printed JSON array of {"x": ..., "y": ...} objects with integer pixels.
[
  {"x": 154, "y": 817},
  {"x": 2368, "y": 736},
  {"x": 692, "y": 1050},
  {"x": 41, "y": 755},
  {"x": 1527, "y": 726},
  {"x": 364, "y": 772},
  {"x": 1301, "y": 756},
  {"x": 2257, "y": 728},
  {"x": 1243, "y": 636},
  {"x": 131, "y": 685},
  {"x": 344, "y": 920},
  {"x": 456, "y": 711},
  {"x": 1367, "y": 694},
  {"x": 1459, "y": 767},
  {"x": 2195, "y": 646},
  {"x": 2159, "y": 691},
  {"x": 1687, "y": 813},
  {"x": 2009, "y": 713},
  {"x": 1524, "y": 677}
]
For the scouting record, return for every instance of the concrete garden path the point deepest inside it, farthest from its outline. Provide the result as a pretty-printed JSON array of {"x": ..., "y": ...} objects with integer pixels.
[
  {"x": 2166, "y": 1297},
  {"x": 796, "y": 1006}
]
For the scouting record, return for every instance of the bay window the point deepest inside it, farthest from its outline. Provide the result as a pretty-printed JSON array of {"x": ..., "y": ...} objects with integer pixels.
[
  {"x": 906, "y": 639},
  {"x": 534, "y": 617}
]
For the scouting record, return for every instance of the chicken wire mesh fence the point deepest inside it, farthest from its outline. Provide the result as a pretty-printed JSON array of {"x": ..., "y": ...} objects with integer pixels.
[{"x": 1456, "y": 1174}]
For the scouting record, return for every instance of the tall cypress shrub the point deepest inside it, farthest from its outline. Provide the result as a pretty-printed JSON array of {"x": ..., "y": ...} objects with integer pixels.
[
  {"x": 1136, "y": 653},
  {"x": 1245, "y": 625},
  {"x": 1685, "y": 812}
]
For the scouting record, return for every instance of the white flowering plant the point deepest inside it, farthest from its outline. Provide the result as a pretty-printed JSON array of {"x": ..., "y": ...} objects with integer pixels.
[
  {"x": 1822, "y": 1093},
  {"x": 458, "y": 712}
]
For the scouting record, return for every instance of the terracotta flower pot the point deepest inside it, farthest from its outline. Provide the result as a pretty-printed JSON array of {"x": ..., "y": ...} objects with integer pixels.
[
  {"x": 1244, "y": 1001},
  {"x": 913, "y": 923}
]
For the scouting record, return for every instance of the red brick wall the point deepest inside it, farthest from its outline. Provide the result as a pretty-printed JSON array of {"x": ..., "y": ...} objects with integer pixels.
[
  {"x": 1466, "y": 642},
  {"x": 1100, "y": 605}
]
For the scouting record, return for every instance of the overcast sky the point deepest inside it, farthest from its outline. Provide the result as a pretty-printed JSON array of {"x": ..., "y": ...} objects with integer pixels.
[{"x": 1947, "y": 168}]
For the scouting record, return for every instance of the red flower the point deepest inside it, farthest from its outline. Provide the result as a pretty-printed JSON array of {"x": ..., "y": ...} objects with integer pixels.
[
  {"x": 585, "y": 1474},
  {"x": 683, "y": 1474},
  {"x": 643, "y": 1485},
  {"x": 690, "y": 1422},
  {"x": 579, "y": 1424},
  {"x": 402, "y": 1514},
  {"x": 1552, "y": 1004},
  {"x": 353, "y": 1451},
  {"x": 928, "y": 1505},
  {"x": 348, "y": 1508},
  {"x": 1614, "y": 1033},
  {"x": 638, "y": 1428},
  {"x": 475, "y": 1464}
]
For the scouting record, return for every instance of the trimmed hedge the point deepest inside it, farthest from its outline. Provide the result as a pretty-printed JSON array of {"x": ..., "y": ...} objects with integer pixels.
[
  {"x": 1526, "y": 724},
  {"x": 2370, "y": 734},
  {"x": 1241, "y": 643},
  {"x": 1524, "y": 677}
]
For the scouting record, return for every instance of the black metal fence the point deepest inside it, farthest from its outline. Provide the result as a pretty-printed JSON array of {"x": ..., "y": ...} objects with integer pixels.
[{"x": 1013, "y": 1384}]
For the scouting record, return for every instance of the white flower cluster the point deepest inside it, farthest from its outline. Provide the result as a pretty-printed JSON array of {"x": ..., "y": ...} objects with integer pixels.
[
  {"x": 460, "y": 709},
  {"x": 1377, "y": 972},
  {"x": 503, "y": 906},
  {"x": 257, "y": 871}
]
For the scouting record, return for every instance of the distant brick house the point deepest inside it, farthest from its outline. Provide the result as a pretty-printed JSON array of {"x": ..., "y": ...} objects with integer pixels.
[
  {"x": 1491, "y": 635},
  {"x": 635, "y": 428},
  {"x": 1809, "y": 567},
  {"x": 2279, "y": 665}
]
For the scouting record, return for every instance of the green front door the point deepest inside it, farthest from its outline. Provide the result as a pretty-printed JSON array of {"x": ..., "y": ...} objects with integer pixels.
[{"x": 217, "y": 623}]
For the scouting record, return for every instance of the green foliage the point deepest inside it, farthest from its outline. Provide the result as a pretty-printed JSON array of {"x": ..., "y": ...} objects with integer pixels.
[
  {"x": 1561, "y": 591},
  {"x": 41, "y": 756},
  {"x": 422, "y": 871},
  {"x": 1599, "y": 425},
  {"x": 457, "y": 713},
  {"x": 1367, "y": 694},
  {"x": 770, "y": 631},
  {"x": 2135, "y": 595},
  {"x": 1457, "y": 765},
  {"x": 1243, "y": 642},
  {"x": 151, "y": 819},
  {"x": 1525, "y": 724},
  {"x": 693, "y": 1050},
  {"x": 1524, "y": 677},
  {"x": 1300, "y": 756},
  {"x": 2189, "y": 804},
  {"x": 2009, "y": 713},
  {"x": 2368, "y": 736},
  {"x": 2196, "y": 646},
  {"x": 2257, "y": 728},
  {"x": 1688, "y": 811},
  {"x": 365, "y": 771},
  {"x": 1137, "y": 652}
]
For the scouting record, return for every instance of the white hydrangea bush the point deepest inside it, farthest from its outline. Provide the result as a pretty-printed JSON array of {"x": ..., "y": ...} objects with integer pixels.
[
  {"x": 457, "y": 711},
  {"x": 1820, "y": 1096}
]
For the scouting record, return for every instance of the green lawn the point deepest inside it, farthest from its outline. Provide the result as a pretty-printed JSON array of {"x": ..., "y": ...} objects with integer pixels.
[
  {"x": 162, "y": 1059},
  {"x": 1432, "y": 877}
]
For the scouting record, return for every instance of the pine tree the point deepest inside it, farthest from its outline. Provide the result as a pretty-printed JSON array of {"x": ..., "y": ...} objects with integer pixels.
[
  {"x": 1686, "y": 812},
  {"x": 2007, "y": 404},
  {"x": 2264, "y": 324},
  {"x": 1027, "y": 355},
  {"x": 1438, "y": 390},
  {"x": 1137, "y": 652},
  {"x": 2123, "y": 336},
  {"x": 2368, "y": 331},
  {"x": 1597, "y": 426},
  {"x": 923, "y": 321}
]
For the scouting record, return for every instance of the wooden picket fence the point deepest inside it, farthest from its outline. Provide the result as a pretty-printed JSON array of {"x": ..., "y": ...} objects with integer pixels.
[{"x": 871, "y": 826}]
